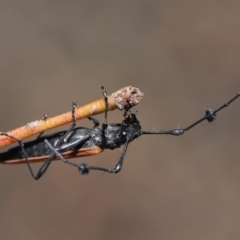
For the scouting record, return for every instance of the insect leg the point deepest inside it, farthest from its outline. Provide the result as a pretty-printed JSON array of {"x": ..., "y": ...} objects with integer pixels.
[
  {"x": 47, "y": 163},
  {"x": 65, "y": 146},
  {"x": 104, "y": 92},
  {"x": 95, "y": 122},
  {"x": 43, "y": 168},
  {"x": 84, "y": 168},
  {"x": 56, "y": 150},
  {"x": 210, "y": 116}
]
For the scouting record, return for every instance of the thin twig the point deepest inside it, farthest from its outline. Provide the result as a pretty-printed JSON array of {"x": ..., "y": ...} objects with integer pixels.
[{"x": 123, "y": 99}]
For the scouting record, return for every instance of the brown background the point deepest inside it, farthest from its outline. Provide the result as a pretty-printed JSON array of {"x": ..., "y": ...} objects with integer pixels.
[{"x": 184, "y": 55}]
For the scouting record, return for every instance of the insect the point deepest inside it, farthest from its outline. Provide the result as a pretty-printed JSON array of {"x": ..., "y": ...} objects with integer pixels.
[{"x": 81, "y": 141}]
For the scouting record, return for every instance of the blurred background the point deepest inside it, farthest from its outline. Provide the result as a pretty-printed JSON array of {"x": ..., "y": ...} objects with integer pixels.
[{"x": 184, "y": 56}]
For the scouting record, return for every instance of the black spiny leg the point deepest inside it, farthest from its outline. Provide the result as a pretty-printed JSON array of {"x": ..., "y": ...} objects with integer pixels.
[
  {"x": 62, "y": 145},
  {"x": 104, "y": 92},
  {"x": 95, "y": 121},
  {"x": 84, "y": 168},
  {"x": 23, "y": 151}
]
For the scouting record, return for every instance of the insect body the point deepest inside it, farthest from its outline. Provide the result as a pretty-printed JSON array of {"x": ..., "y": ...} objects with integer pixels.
[
  {"x": 78, "y": 142},
  {"x": 78, "y": 139}
]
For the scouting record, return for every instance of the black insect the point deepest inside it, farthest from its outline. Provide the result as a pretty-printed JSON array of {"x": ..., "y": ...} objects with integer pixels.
[{"x": 80, "y": 141}]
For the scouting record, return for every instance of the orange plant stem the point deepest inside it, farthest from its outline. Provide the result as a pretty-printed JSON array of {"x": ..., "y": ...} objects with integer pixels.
[{"x": 123, "y": 99}]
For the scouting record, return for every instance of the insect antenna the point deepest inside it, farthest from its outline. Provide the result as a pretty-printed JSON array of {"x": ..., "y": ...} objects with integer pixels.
[{"x": 210, "y": 116}]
